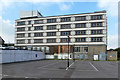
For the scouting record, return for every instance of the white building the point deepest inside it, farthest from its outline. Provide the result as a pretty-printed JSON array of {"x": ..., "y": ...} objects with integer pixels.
[{"x": 87, "y": 31}]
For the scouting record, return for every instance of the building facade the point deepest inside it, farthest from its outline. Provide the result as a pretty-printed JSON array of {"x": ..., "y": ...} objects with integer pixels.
[{"x": 87, "y": 31}]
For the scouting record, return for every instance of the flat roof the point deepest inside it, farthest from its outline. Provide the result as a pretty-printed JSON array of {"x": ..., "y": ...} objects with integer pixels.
[{"x": 104, "y": 11}]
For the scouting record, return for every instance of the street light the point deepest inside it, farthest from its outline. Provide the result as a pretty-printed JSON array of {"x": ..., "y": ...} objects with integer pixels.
[
  {"x": 58, "y": 45},
  {"x": 68, "y": 50}
]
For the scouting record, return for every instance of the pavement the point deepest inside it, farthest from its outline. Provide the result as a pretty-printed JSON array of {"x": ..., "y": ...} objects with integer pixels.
[{"x": 59, "y": 69}]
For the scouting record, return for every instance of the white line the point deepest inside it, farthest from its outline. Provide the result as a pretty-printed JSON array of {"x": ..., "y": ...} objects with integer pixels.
[
  {"x": 69, "y": 66},
  {"x": 93, "y": 66},
  {"x": 46, "y": 65}
]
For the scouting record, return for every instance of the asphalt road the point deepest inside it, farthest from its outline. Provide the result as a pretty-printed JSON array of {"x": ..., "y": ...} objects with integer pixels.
[{"x": 58, "y": 69}]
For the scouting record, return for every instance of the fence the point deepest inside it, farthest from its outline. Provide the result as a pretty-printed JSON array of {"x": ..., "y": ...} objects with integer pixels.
[{"x": 8, "y": 56}]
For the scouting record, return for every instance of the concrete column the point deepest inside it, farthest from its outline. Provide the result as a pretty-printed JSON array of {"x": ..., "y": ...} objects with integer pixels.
[
  {"x": 72, "y": 26},
  {"x": 45, "y": 21},
  {"x": 58, "y": 40},
  {"x": 72, "y": 33},
  {"x": 58, "y": 20},
  {"x": 73, "y": 18},
  {"x": 44, "y": 34},
  {"x": 44, "y": 40}
]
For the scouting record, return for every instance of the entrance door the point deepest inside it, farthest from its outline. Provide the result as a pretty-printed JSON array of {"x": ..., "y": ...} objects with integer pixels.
[
  {"x": 102, "y": 56},
  {"x": 81, "y": 56}
]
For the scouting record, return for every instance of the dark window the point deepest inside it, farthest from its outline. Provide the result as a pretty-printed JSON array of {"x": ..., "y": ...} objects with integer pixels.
[
  {"x": 96, "y": 24},
  {"x": 20, "y": 41},
  {"x": 96, "y": 31},
  {"x": 51, "y": 20},
  {"x": 65, "y": 33},
  {"x": 96, "y": 17},
  {"x": 38, "y": 40},
  {"x": 86, "y": 49},
  {"x": 51, "y": 40},
  {"x": 65, "y": 19},
  {"x": 29, "y": 28},
  {"x": 82, "y": 32},
  {"x": 20, "y": 35},
  {"x": 51, "y": 33},
  {"x": 38, "y": 34},
  {"x": 29, "y": 41},
  {"x": 29, "y": 34},
  {"x": 96, "y": 39},
  {"x": 80, "y": 25},
  {"x": 20, "y": 23},
  {"x": 38, "y": 28},
  {"x": 80, "y": 18},
  {"x": 21, "y": 29},
  {"x": 29, "y": 22},
  {"x": 38, "y": 21},
  {"x": 64, "y": 40},
  {"x": 51, "y": 27},
  {"x": 65, "y": 26},
  {"x": 76, "y": 49},
  {"x": 80, "y": 39}
]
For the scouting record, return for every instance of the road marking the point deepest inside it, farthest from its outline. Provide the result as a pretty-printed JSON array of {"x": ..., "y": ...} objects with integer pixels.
[
  {"x": 47, "y": 65},
  {"x": 69, "y": 66},
  {"x": 93, "y": 66}
]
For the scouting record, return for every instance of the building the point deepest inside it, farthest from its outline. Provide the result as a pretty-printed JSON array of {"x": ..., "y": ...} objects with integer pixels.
[
  {"x": 87, "y": 31},
  {"x": 1, "y": 41},
  {"x": 111, "y": 55}
]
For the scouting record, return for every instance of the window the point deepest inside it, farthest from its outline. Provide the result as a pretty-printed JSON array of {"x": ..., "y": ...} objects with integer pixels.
[
  {"x": 51, "y": 27},
  {"x": 51, "y": 33},
  {"x": 82, "y": 32},
  {"x": 29, "y": 34},
  {"x": 80, "y": 39},
  {"x": 20, "y": 23},
  {"x": 96, "y": 17},
  {"x": 51, "y": 40},
  {"x": 38, "y": 40},
  {"x": 29, "y": 28},
  {"x": 80, "y": 25},
  {"x": 96, "y": 39},
  {"x": 21, "y": 29},
  {"x": 65, "y": 19},
  {"x": 38, "y": 34},
  {"x": 76, "y": 49},
  {"x": 38, "y": 28},
  {"x": 20, "y": 35},
  {"x": 96, "y": 24},
  {"x": 64, "y": 40},
  {"x": 29, "y": 22},
  {"x": 80, "y": 18},
  {"x": 65, "y": 26},
  {"x": 65, "y": 33},
  {"x": 51, "y": 20},
  {"x": 20, "y": 41},
  {"x": 38, "y": 21},
  {"x": 29, "y": 41},
  {"x": 86, "y": 49},
  {"x": 96, "y": 31}
]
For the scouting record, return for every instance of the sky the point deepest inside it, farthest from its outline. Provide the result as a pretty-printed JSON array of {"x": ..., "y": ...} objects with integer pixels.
[{"x": 10, "y": 11}]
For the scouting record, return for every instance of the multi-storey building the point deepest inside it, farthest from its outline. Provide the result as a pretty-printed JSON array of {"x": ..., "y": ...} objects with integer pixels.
[{"x": 87, "y": 31}]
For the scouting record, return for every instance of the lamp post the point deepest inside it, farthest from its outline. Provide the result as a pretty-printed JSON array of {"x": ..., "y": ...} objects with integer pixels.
[
  {"x": 58, "y": 45},
  {"x": 68, "y": 51},
  {"x": 73, "y": 53}
]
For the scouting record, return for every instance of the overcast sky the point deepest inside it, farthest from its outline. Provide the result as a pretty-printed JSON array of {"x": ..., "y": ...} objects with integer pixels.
[{"x": 11, "y": 11}]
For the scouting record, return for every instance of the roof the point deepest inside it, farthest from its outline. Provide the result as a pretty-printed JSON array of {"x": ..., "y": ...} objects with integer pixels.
[{"x": 104, "y": 11}]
